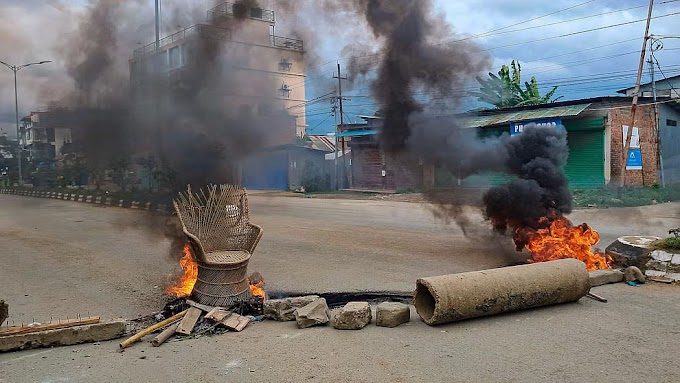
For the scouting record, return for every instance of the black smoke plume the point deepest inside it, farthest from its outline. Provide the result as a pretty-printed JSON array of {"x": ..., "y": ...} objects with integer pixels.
[
  {"x": 186, "y": 130},
  {"x": 540, "y": 192}
]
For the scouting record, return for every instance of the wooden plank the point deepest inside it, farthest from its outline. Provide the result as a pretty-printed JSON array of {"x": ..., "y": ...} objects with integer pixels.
[
  {"x": 218, "y": 314},
  {"x": 14, "y": 330},
  {"x": 203, "y": 307},
  {"x": 186, "y": 326},
  {"x": 236, "y": 322},
  {"x": 64, "y": 336}
]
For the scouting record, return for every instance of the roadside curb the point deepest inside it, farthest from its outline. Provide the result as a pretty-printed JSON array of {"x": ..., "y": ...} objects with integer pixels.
[{"x": 92, "y": 200}]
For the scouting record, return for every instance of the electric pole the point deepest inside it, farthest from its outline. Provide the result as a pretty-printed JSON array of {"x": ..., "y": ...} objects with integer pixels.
[
  {"x": 15, "y": 69},
  {"x": 633, "y": 108},
  {"x": 654, "y": 45},
  {"x": 338, "y": 129},
  {"x": 158, "y": 24}
]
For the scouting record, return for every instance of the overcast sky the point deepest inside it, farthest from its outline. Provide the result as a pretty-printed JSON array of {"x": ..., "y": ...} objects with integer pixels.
[{"x": 583, "y": 64}]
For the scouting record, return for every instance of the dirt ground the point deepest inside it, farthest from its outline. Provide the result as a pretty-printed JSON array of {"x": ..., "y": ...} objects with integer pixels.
[{"x": 62, "y": 259}]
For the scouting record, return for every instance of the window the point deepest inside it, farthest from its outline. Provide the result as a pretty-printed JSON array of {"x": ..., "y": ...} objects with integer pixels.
[
  {"x": 256, "y": 13},
  {"x": 671, "y": 122},
  {"x": 175, "y": 57},
  {"x": 285, "y": 65}
]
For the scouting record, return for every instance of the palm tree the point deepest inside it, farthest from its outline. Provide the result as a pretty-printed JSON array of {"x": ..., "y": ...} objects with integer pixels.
[{"x": 504, "y": 90}]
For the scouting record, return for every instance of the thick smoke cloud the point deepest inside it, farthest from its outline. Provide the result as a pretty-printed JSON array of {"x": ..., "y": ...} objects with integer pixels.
[
  {"x": 190, "y": 130},
  {"x": 541, "y": 189}
]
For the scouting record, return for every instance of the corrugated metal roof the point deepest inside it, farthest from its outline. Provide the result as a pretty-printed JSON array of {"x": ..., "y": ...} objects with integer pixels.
[
  {"x": 353, "y": 133},
  {"x": 522, "y": 115},
  {"x": 320, "y": 142}
]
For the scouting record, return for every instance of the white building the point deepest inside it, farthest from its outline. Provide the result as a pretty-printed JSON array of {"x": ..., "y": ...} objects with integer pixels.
[
  {"x": 43, "y": 136},
  {"x": 665, "y": 87}
]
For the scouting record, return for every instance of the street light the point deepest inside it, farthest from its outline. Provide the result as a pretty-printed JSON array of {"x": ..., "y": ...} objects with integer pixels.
[{"x": 15, "y": 69}]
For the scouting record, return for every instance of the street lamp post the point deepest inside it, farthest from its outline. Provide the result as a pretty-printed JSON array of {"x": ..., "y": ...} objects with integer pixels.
[{"x": 15, "y": 69}]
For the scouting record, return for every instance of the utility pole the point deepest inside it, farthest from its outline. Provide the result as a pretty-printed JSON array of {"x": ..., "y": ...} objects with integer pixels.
[
  {"x": 633, "y": 108},
  {"x": 657, "y": 131},
  {"x": 342, "y": 125},
  {"x": 158, "y": 24}
]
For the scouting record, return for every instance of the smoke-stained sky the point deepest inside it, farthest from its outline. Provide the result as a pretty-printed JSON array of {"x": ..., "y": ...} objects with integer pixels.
[{"x": 33, "y": 30}]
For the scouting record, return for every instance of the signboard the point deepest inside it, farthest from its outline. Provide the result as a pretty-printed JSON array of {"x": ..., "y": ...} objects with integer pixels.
[
  {"x": 634, "y": 159},
  {"x": 518, "y": 127}
]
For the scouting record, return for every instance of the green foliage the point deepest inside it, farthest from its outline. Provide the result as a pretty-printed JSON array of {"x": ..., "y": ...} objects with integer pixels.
[
  {"x": 626, "y": 197},
  {"x": 674, "y": 241},
  {"x": 122, "y": 174},
  {"x": 505, "y": 89}
]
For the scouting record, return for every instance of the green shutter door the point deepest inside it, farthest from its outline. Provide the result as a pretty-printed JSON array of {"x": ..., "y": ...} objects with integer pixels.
[{"x": 585, "y": 166}]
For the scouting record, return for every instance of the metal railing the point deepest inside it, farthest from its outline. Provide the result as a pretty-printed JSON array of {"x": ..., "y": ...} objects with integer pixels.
[
  {"x": 242, "y": 11},
  {"x": 288, "y": 43},
  {"x": 203, "y": 30}
]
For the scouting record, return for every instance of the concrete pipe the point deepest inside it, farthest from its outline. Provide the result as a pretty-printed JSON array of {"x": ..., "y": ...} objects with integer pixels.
[{"x": 456, "y": 297}]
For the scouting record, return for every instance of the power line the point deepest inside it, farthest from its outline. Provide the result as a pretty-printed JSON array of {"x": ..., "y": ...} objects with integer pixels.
[
  {"x": 554, "y": 37},
  {"x": 497, "y": 30},
  {"x": 319, "y": 124},
  {"x": 662, "y": 74}
]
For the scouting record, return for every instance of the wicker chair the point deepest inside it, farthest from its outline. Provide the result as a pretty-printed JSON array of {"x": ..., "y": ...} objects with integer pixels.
[{"x": 222, "y": 238}]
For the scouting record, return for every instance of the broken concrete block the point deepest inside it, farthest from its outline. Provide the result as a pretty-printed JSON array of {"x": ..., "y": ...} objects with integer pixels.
[
  {"x": 64, "y": 336},
  {"x": 634, "y": 274},
  {"x": 392, "y": 314},
  {"x": 354, "y": 316},
  {"x": 654, "y": 265},
  {"x": 655, "y": 273},
  {"x": 676, "y": 259},
  {"x": 603, "y": 277},
  {"x": 315, "y": 313},
  {"x": 673, "y": 272},
  {"x": 661, "y": 256},
  {"x": 284, "y": 309}
]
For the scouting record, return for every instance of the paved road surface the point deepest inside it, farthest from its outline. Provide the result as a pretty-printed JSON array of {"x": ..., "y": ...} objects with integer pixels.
[{"x": 62, "y": 259}]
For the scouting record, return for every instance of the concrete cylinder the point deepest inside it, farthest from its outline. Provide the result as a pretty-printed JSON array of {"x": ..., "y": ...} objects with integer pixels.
[{"x": 456, "y": 297}]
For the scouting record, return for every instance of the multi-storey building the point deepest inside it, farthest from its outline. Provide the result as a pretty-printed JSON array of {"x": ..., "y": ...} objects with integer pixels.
[
  {"x": 43, "y": 136},
  {"x": 261, "y": 74}
]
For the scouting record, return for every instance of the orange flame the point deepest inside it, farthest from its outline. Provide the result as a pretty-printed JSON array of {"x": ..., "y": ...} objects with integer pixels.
[
  {"x": 185, "y": 283},
  {"x": 562, "y": 240},
  {"x": 257, "y": 286}
]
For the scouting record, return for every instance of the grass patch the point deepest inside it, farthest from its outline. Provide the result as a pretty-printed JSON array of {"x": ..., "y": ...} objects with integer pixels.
[
  {"x": 625, "y": 197},
  {"x": 670, "y": 244}
]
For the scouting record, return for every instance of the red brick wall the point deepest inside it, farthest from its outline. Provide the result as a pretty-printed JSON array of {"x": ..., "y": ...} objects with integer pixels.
[{"x": 644, "y": 121}]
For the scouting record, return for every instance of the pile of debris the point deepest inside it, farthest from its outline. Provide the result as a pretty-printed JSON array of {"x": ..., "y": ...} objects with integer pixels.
[
  {"x": 313, "y": 310},
  {"x": 185, "y": 319}
]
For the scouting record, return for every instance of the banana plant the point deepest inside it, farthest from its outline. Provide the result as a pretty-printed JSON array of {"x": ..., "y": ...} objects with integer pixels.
[{"x": 504, "y": 90}]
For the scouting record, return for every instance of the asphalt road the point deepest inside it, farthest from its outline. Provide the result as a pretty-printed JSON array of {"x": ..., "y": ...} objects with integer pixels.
[{"x": 62, "y": 259}]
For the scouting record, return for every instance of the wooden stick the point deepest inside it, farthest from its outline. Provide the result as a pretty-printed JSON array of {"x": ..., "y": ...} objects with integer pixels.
[
  {"x": 14, "y": 330},
  {"x": 596, "y": 297},
  {"x": 129, "y": 341},
  {"x": 165, "y": 335}
]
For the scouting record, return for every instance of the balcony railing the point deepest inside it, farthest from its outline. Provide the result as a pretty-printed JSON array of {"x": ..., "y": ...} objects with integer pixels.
[
  {"x": 288, "y": 43},
  {"x": 202, "y": 30},
  {"x": 241, "y": 11}
]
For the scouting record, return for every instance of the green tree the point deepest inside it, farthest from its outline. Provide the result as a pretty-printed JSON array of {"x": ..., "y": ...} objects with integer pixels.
[{"x": 505, "y": 89}]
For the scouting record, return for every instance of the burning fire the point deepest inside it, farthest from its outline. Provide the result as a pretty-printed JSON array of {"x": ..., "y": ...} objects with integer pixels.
[
  {"x": 185, "y": 283},
  {"x": 257, "y": 285},
  {"x": 560, "y": 240}
]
